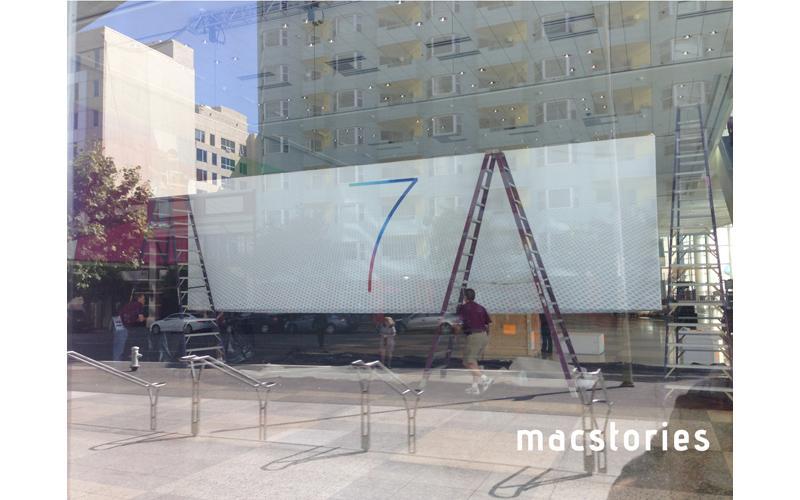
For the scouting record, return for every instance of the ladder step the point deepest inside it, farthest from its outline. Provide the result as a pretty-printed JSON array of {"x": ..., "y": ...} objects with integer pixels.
[
  {"x": 692, "y": 283},
  {"x": 692, "y": 162},
  {"x": 688, "y": 122},
  {"x": 696, "y": 303},
  {"x": 698, "y": 347},
  {"x": 690, "y": 155},
  {"x": 694, "y": 172}
]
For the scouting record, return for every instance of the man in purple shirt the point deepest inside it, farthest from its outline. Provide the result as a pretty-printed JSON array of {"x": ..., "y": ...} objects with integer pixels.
[{"x": 475, "y": 325}]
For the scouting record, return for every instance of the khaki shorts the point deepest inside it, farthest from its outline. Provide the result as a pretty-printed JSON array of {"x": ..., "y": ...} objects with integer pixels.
[{"x": 475, "y": 344}]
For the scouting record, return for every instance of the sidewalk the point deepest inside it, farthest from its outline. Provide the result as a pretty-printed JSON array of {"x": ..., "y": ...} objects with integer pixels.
[{"x": 466, "y": 447}]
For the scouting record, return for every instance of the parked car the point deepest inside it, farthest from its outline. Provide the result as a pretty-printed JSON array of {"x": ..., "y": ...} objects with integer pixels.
[
  {"x": 305, "y": 323},
  {"x": 182, "y": 322},
  {"x": 254, "y": 322},
  {"x": 426, "y": 322}
]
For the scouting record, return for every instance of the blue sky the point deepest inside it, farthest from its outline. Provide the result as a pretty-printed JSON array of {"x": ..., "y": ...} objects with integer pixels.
[{"x": 218, "y": 66}]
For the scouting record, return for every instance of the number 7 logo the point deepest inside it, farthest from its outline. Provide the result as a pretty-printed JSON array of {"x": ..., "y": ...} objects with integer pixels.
[{"x": 411, "y": 181}]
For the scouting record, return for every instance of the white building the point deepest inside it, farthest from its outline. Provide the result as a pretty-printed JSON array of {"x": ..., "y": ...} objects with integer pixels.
[{"x": 139, "y": 101}]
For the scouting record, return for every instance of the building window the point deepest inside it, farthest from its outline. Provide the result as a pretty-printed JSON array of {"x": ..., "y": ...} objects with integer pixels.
[
  {"x": 98, "y": 58},
  {"x": 276, "y": 144},
  {"x": 242, "y": 150},
  {"x": 227, "y": 145},
  {"x": 243, "y": 168},
  {"x": 445, "y": 125},
  {"x": 348, "y": 23},
  {"x": 212, "y": 140},
  {"x": 95, "y": 118},
  {"x": 75, "y": 120},
  {"x": 351, "y": 136},
  {"x": 275, "y": 110},
  {"x": 445, "y": 85},
  {"x": 201, "y": 155},
  {"x": 76, "y": 91},
  {"x": 96, "y": 88},
  {"x": 443, "y": 45},
  {"x": 213, "y": 158},
  {"x": 228, "y": 163},
  {"x": 276, "y": 38},
  {"x": 213, "y": 178},
  {"x": 558, "y": 110},
  {"x": 202, "y": 175},
  {"x": 277, "y": 73},
  {"x": 349, "y": 99},
  {"x": 558, "y": 155},
  {"x": 348, "y": 62},
  {"x": 199, "y": 135},
  {"x": 556, "y": 68}
]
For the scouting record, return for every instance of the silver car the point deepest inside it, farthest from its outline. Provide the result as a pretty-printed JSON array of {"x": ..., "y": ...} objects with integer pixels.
[
  {"x": 429, "y": 322},
  {"x": 182, "y": 322}
]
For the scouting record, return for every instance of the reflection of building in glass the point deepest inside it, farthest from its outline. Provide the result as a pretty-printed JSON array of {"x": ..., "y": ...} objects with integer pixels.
[
  {"x": 138, "y": 100},
  {"x": 221, "y": 140},
  {"x": 351, "y": 83}
]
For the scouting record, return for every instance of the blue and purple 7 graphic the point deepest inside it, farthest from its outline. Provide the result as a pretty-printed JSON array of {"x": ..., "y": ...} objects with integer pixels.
[{"x": 411, "y": 181}]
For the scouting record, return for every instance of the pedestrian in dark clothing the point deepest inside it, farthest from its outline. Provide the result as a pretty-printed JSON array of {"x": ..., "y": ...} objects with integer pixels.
[
  {"x": 131, "y": 314},
  {"x": 547, "y": 339},
  {"x": 475, "y": 326}
]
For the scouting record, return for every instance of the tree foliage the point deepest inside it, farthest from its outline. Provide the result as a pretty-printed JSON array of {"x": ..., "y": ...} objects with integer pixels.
[{"x": 109, "y": 216}]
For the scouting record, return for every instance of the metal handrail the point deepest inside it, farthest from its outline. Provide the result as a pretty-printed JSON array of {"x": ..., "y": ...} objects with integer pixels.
[
  {"x": 152, "y": 387},
  {"x": 403, "y": 390},
  {"x": 262, "y": 389}
]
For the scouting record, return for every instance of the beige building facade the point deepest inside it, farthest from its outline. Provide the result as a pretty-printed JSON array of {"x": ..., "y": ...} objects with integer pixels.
[
  {"x": 139, "y": 101},
  {"x": 221, "y": 146}
]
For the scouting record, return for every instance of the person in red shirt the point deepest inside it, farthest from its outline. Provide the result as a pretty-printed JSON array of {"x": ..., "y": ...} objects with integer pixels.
[{"x": 475, "y": 326}]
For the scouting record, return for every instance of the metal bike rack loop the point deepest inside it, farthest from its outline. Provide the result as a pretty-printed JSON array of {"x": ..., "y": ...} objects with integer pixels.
[
  {"x": 197, "y": 363},
  {"x": 152, "y": 387},
  {"x": 365, "y": 371}
]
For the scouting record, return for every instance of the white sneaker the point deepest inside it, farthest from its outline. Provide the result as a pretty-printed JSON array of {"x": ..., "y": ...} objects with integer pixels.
[
  {"x": 485, "y": 383},
  {"x": 473, "y": 389}
]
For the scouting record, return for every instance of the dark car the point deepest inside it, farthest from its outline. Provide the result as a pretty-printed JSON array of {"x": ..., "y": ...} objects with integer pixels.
[
  {"x": 251, "y": 323},
  {"x": 308, "y": 323}
]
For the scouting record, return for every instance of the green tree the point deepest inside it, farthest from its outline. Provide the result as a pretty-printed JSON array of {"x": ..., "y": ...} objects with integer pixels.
[{"x": 108, "y": 219}]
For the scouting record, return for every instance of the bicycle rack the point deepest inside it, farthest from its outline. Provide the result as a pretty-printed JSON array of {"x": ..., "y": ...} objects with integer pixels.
[
  {"x": 397, "y": 385},
  {"x": 197, "y": 363},
  {"x": 152, "y": 387},
  {"x": 588, "y": 383}
]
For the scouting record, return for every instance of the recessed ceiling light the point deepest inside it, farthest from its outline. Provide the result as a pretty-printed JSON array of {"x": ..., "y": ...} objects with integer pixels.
[
  {"x": 330, "y": 40},
  {"x": 686, "y": 37},
  {"x": 308, "y": 109},
  {"x": 482, "y": 70},
  {"x": 402, "y": 96},
  {"x": 495, "y": 110},
  {"x": 216, "y": 61},
  {"x": 512, "y": 108},
  {"x": 714, "y": 32},
  {"x": 680, "y": 97},
  {"x": 683, "y": 85},
  {"x": 235, "y": 58},
  {"x": 460, "y": 72},
  {"x": 311, "y": 44},
  {"x": 370, "y": 87},
  {"x": 602, "y": 97},
  {"x": 418, "y": 23},
  {"x": 566, "y": 55},
  {"x": 305, "y": 97},
  {"x": 518, "y": 118},
  {"x": 583, "y": 99},
  {"x": 205, "y": 42},
  {"x": 594, "y": 66},
  {"x": 709, "y": 49},
  {"x": 502, "y": 119},
  {"x": 473, "y": 85},
  {"x": 443, "y": 19},
  {"x": 305, "y": 21},
  {"x": 572, "y": 70},
  {"x": 388, "y": 84},
  {"x": 604, "y": 106},
  {"x": 686, "y": 52},
  {"x": 491, "y": 83},
  {"x": 589, "y": 51}
]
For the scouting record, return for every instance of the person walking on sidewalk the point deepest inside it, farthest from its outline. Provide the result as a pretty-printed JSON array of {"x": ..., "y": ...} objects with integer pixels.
[
  {"x": 547, "y": 339},
  {"x": 475, "y": 326},
  {"x": 387, "y": 333},
  {"x": 131, "y": 314}
]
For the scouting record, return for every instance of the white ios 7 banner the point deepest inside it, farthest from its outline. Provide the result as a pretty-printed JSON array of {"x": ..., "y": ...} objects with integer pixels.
[{"x": 383, "y": 237}]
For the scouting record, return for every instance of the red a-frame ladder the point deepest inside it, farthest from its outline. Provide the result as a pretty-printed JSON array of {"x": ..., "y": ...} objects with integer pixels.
[{"x": 466, "y": 254}]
